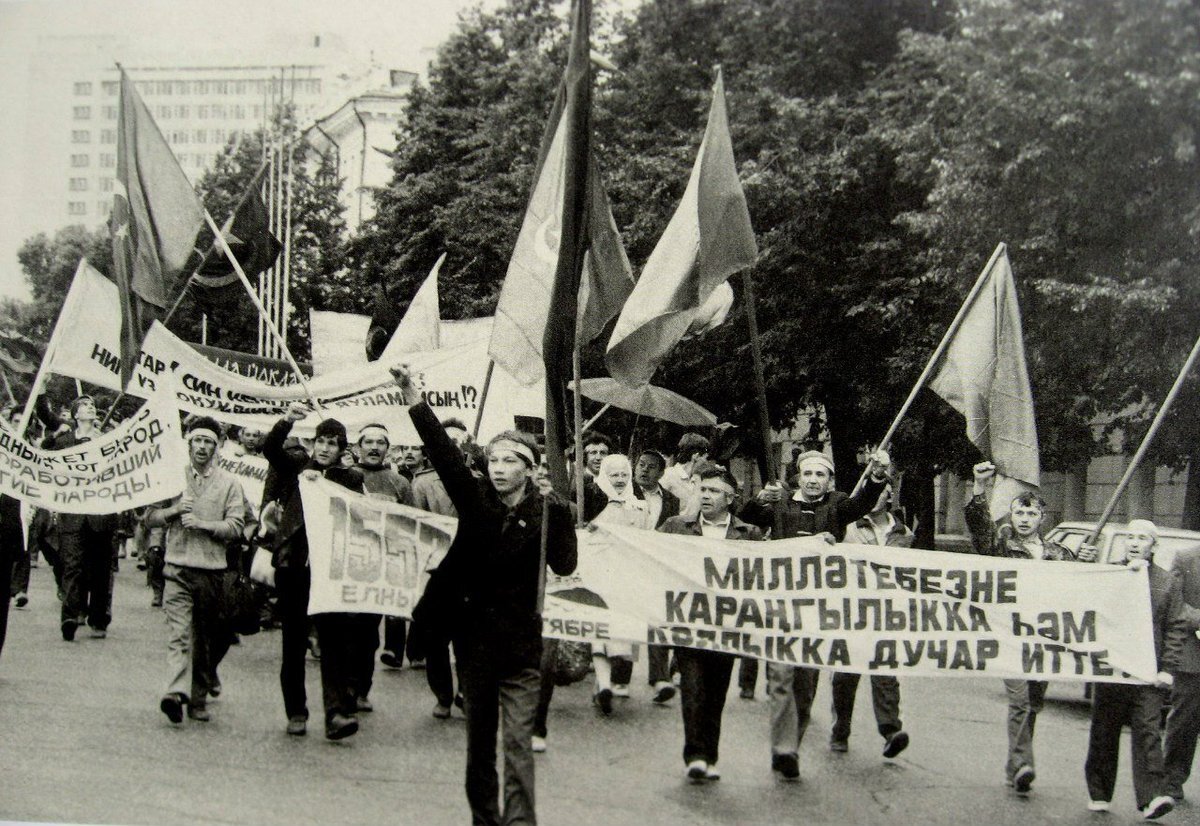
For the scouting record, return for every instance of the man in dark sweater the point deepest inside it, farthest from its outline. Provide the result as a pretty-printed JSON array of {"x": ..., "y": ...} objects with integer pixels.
[
  {"x": 816, "y": 508},
  {"x": 485, "y": 594}
]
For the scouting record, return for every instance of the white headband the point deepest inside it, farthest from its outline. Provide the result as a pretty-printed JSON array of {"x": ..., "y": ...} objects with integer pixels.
[
  {"x": 202, "y": 431},
  {"x": 513, "y": 447}
]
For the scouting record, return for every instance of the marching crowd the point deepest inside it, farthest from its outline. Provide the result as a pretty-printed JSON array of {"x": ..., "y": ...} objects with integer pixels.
[{"x": 477, "y": 629}]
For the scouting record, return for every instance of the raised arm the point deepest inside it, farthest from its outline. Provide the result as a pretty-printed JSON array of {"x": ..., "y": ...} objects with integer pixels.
[{"x": 281, "y": 460}]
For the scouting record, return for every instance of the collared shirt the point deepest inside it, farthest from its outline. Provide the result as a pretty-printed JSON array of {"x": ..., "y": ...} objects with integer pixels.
[
  {"x": 654, "y": 503},
  {"x": 714, "y": 530}
]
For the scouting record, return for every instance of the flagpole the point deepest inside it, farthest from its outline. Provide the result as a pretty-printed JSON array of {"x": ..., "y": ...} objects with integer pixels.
[
  {"x": 8, "y": 387},
  {"x": 937, "y": 355},
  {"x": 595, "y": 418},
  {"x": 769, "y": 468},
  {"x": 577, "y": 406},
  {"x": 487, "y": 383},
  {"x": 1145, "y": 445},
  {"x": 262, "y": 310}
]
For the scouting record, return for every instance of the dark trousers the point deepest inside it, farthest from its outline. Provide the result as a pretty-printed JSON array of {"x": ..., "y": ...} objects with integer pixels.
[
  {"x": 747, "y": 673},
  {"x": 20, "y": 571},
  {"x": 1140, "y": 708},
  {"x": 88, "y": 564},
  {"x": 1183, "y": 729},
  {"x": 154, "y": 571},
  {"x": 365, "y": 641},
  {"x": 704, "y": 682},
  {"x": 658, "y": 659},
  {"x": 546, "y": 688},
  {"x": 885, "y": 698},
  {"x": 492, "y": 694},
  {"x": 292, "y": 585},
  {"x": 6, "y": 566},
  {"x": 395, "y": 633},
  {"x": 340, "y": 636},
  {"x": 438, "y": 672}
]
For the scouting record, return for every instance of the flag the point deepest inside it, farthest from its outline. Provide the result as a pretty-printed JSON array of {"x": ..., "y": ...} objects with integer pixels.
[
  {"x": 707, "y": 240},
  {"x": 420, "y": 328},
  {"x": 216, "y": 285},
  {"x": 712, "y": 312},
  {"x": 338, "y": 340},
  {"x": 524, "y": 305},
  {"x": 154, "y": 222},
  {"x": 983, "y": 376}
]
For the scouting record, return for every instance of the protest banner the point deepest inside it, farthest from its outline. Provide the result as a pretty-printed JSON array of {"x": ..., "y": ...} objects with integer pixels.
[
  {"x": 450, "y": 379},
  {"x": 369, "y": 555},
  {"x": 137, "y": 463},
  {"x": 858, "y": 608},
  {"x": 249, "y": 470}
]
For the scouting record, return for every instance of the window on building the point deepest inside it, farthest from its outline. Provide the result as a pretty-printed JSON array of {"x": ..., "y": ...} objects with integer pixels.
[
  {"x": 146, "y": 87},
  {"x": 199, "y": 136},
  {"x": 260, "y": 86},
  {"x": 106, "y": 184},
  {"x": 202, "y": 112},
  {"x": 181, "y": 87},
  {"x": 107, "y": 160},
  {"x": 79, "y": 161},
  {"x": 76, "y": 208},
  {"x": 179, "y": 136},
  {"x": 78, "y": 185},
  {"x": 240, "y": 87},
  {"x": 83, "y": 112},
  {"x": 108, "y": 136},
  {"x": 238, "y": 112},
  {"x": 218, "y": 111},
  {"x": 200, "y": 87},
  {"x": 81, "y": 136},
  {"x": 83, "y": 88},
  {"x": 163, "y": 87},
  {"x": 110, "y": 87},
  {"x": 256, "y": 111},
  {"x": 110, "y": 112},
  {"x": 221, "y": 87},
  {"x": 183, "y": 112},
  {"x": 103, "y": 207},
  {"x": 218, "y": 135}
]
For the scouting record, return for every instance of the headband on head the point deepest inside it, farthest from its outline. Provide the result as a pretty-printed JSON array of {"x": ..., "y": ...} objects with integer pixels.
[
  {"x": 814, "y": 456},
  {"x": 202, "y": 431},
  {"x": 516, "y": 447},
  {"x": 374, "y": 426}
]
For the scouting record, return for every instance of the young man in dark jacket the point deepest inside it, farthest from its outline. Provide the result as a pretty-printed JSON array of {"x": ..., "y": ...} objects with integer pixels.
[
  {"x": 816, "y": 508},
  {"x": 704, "y": 675},
  {"x": 341, "y": 636},
  {"x": 485, "y": 593}
]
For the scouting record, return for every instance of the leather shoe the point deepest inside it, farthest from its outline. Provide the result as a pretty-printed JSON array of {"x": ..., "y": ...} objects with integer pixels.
[
  {"x": 198, "y": 713},
  {"x": 68, "y": 629},
  {"x": 340, "y": 726},
  {"x": 603, "y": 700},
  {"x": 788, "y": 765},
  {"x": 363, "y": 704},
  {"x": 389, "y": 659},
  {"x": 172, "y": 706},
  {"x": 897, "y": 742}
]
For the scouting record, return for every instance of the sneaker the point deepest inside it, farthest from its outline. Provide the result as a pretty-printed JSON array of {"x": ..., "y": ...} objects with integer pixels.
[
  {"x": 746, "y": 694},
  {"x": 1099, "y": 806},
  {"x": 22, "y": 599},
  {"x": 340, "y": 726},
  {"x": 156, "y": 602},
  {"x": 697, "y": 771},
  {"x": 712, "y": 773},
  {"x": 172, "y": 706},
  {"x": 897, "y": 742},
  {"x": 1158, "y": 807},
  {"x": 839, "y": 746},
  {"x": 441, "y": 712},
  {"x": 98, "y": 633},
  {"x": 603, "y": 700},
  {"x": 297, "y": 726},
  {"x": 68, "y": 629},
  {"x": 198, "y": 713},
  {"x": 620, "y": 690},
  {"x": 390, "y": 660},
  {"x": 787, "y": 765},
  {"x": 363, "y": 704},
  {"x": 663, "y": 691},
  {"x": 1023, "y": 778},
  {"x": 539, "y": 744}
]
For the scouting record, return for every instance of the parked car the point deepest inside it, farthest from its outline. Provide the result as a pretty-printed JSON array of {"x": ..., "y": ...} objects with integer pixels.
[{"x": 1111, "y": 544}]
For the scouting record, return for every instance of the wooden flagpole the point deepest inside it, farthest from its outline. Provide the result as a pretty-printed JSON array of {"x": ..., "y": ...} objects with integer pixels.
[
  {"x": 1145, "y": 445},
  {"x": 487, "y": 383}
]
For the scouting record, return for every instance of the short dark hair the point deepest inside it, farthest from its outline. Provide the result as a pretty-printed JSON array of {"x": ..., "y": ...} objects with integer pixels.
[
  {"x": 662, "y": 460},
  {"x": 711, "y": 471},
  {"x": 1029, "y": 499},
  {"x": 595, "y": 437},
  {"x": 332, "y": 428},
  {"x": 691, "y": 444},
  {"x": 455, "y": 423}
]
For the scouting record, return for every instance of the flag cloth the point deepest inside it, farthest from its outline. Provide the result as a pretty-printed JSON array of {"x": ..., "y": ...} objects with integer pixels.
[
  {"x": 524, "y": 304},
  {"x": 983, "y": 376},
  {"x": 338, "y": 340},
  {"x": 420, "y": 328},
  {"x": 707, "y": 240},
  {"x": 216, "y": 285},
  {"x": 154, "y": 222}
]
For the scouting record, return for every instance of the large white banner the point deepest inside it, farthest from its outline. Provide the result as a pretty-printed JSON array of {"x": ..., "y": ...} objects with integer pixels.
[
  {"x": 450, "y": 379},
  {"x": 337, "y": 340},
  {"x": 138, "y": 463},
  {"x": 858, "y": 608}
]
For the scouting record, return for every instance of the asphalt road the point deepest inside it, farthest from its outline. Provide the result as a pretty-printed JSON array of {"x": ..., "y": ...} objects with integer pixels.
[{"x": 82, "y": 740}]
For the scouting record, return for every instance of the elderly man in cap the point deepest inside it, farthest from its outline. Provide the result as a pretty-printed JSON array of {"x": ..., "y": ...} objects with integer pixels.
[
  {"x": 815, "y": 508},
  {"x": 485, "y": 594},
  {"x": 87, "y": 544},
  {"x": 199, "y": 525},
  {"x": 705, "y": 674}
]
